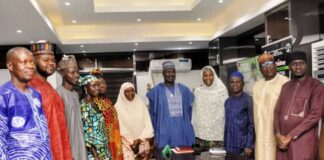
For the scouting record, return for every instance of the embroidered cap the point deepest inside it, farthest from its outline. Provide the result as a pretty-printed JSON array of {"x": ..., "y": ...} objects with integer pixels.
[{"x": 42, "y": 47}]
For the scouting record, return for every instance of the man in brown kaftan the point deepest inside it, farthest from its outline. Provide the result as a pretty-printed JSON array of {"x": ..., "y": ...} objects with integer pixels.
[{"x": 298, "y": 111}]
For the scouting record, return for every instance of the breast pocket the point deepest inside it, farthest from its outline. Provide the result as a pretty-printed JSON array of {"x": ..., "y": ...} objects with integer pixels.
[{"x": 298, "y": 108}]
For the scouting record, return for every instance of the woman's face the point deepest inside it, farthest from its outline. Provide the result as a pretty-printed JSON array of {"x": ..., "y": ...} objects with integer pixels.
[
  {"x": 102, "y": 86},
  {"x": 208, "y": 77},
  {"x": 93, "y": 88},
  {"x": 129, "y": 93}
]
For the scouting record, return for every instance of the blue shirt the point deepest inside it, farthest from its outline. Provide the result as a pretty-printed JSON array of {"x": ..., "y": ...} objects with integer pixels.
[
  {"x": 23, "y": 126},
  {"x": 172, "y": 130},
  {"x": 239, "y": 127}
]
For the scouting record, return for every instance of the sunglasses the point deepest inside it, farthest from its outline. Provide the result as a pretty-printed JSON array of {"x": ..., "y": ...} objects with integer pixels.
[{"x": 267, "y": 64}]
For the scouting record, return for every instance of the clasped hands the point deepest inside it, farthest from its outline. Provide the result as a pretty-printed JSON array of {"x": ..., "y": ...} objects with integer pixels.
[{"x": 283, "y": 141}]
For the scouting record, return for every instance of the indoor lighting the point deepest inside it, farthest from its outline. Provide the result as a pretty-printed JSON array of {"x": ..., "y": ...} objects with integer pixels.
[
  {"x": 32, "y": 41},
  {"x": 220, "y": 1},
  {"x": 198, "y": 19},
  {"x": 74, "y": 21},
  {"x": 139, "y": 20},
  {"x": 136, "y": 44},
  {"x": 81, "y": 46},
  {"x": 189, "y": 42},
  {"x": 83, "y": 51},
  {"x": 134, "y": 50},
  {"x": 67, "y": 3},
  {"x": 19, "y": 31}
]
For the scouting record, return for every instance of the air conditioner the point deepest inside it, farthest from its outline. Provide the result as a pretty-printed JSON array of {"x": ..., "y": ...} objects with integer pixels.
[{"x": 181, "y": 64}]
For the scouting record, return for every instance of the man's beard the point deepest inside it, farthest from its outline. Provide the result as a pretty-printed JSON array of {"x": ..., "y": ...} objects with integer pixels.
[{"x": 299, "y": 76}]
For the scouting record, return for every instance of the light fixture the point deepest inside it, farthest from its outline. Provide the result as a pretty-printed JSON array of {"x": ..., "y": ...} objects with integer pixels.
[
  {"x": 220, "y": 1},
  {"x": 67, "y": 3},
  {"x": 134, "y": 50},
  {"x": 179, "y": 48},
  {"x": 19, "y": 31},
  {"x": 81, "y": 46},
  {"x": 139, "y": 20},
  {"x": 198, "y": 19},
  {"x": 74, "y": 21},
  {"x": 32, "y": 41},
  {"x": 189, "y": 42},
  {"x": 136, "y": 44},
  {"x": 83, "y": 51}
]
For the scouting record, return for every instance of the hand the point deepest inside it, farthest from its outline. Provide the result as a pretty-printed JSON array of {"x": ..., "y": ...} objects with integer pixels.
[
  {"x": 96, "y": 158},
  {"x": 248, "y": 152},
  {"x": 281, "y": 142},
  {"x": 287, "y": 140}
]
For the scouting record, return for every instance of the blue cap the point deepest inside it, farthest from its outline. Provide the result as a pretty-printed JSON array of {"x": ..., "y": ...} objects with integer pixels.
[{"x": 237, "y": 74}]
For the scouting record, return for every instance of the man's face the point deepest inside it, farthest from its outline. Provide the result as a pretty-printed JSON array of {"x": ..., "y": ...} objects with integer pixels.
[
  {"x": 268, "y": 69},
  {"x": 22, "y": 65},
  {"x": 298, "y": 68},
  {"x": 208, "y": 77},
  {"x": 46, "y": 64},
  {"x": 169, "y": 75},
  {"x": 236, "y": 84},
  {"x": 102, "y": 86},
  {"x": 129, "y": 93},
  {"x": 71, "y": 75},
  {"x": 93, "y": 88}
]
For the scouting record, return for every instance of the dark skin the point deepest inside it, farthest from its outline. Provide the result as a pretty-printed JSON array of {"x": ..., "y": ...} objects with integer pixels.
[
  {"x": 102, "y": 86},
  {"x": 70, "y": 77},
  {"x": 21, "y": 65},
  {"x": 46, "y": 65},
  {"x": 236, "y": 86},
  {"x": 208, "y": 77},
  {"x": 269, "y": 72},
  {"x": 169, "y": 76},
  {"x": 92, "y": 89},
  {"x": 298, "y": 70}
]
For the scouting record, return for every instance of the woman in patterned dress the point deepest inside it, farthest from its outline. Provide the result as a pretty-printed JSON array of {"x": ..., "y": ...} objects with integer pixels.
[{"x": 93, "y": 121}]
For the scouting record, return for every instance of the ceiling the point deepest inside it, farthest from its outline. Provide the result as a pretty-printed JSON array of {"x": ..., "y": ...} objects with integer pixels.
[{"x": 87, "y": 26}]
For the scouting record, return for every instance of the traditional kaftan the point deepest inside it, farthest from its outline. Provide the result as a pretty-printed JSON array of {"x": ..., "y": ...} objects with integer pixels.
[
  {"x": 298, "y": 111},
  {"x": 172, "y": 124},
  {"x": 72, "y": 110},
  {"x": 94, "y": 130},
  {"x": 265, "y": 95},
  {"x": 112, "y": 126},
  {"x": 321, "y": 145},
  {"x": 239, "y": 125},
  {"x": 23, "y": 126},
  {"x": 53, "y": 107}
]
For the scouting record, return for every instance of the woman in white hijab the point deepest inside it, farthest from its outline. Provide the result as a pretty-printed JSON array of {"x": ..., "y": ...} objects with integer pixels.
[
  {"x": 135, "y": 123},
  {"x": 208, "y": 110}
]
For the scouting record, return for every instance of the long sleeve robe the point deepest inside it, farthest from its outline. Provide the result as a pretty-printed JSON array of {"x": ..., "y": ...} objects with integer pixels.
[
  {"x": 297, "y": 114},
  {"x": 53, "y": 107},
  {"x": 23, "y": 126},
  {"x": 175, "y": 131},
  {"x": 265, "y": 95}
]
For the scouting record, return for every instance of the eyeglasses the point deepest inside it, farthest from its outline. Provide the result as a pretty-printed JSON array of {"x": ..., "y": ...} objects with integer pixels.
[{"x": 267, "y": 64}]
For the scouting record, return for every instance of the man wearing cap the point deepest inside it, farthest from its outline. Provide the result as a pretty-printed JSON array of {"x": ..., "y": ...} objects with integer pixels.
[
  {"x": 68, "y": 68},
  {"x": 170, "y": 111},
  {"x": 298, "y": 111},
  {"x": 239, "y": 126},
  {"x": 53, "y": 105},
  {"x": 265, "y": 94},
  {"x": 23, "y": 126}
]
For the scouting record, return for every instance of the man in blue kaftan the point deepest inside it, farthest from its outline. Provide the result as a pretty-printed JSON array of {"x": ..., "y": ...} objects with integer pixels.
[
  {"x": 170, "y": 110},
  {"x": 23, "y": 126}
]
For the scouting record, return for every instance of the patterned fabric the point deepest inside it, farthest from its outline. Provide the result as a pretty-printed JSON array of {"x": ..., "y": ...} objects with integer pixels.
[
  {"x": 112, "y": 126},
  {"x": 53, "y": 106},
  {"x": 87, "y": 79},
  {"x": 144, "y": 147},
  {"x": 94, "y": 130},
  {"x": 206, "y": 145},
  {"x": 239, "y": 126},
  {"x": 23, "y": 126},
  {"x": 208, "y": 110},
  {"x": 174, "y": 101}
]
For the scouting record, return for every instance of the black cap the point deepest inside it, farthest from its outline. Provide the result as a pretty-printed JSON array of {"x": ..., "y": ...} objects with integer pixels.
[{"x": 296, "y": 55}]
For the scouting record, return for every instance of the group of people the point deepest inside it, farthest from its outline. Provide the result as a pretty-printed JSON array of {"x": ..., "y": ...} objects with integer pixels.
[{"x": 280, "y": 121}]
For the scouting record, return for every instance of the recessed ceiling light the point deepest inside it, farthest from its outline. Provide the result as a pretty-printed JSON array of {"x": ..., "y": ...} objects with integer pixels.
[
  {"x": 74, "y": 21},
  {"x": 198, "y": 19},
  {"x": 81, "y": 46},
  {"x": 67, "y": 3},
  {"x": 134, "y": 50},
  {"x": 179, "y": 48},
  {"x": 136, "y": 44},
  {"x": 83, "y": 51},
  {"x": 128, "y": 58},
  {"x": 139, "y": 20},
  {"x": 19, "y": 31},
  {"x": 189, "y": 42},
  {"x": 220, "y": 1},
  {"x": 32, "y": 41}
]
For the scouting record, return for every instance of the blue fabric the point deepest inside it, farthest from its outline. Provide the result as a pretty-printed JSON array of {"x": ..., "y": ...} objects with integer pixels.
[
  {"x": 174, "y": 131},
  {"x": 23, "y": 126},
  {"x": 174, "y": 98},
  {"x": 239, "y": 126},
  {"x": 237, "y": 74}
]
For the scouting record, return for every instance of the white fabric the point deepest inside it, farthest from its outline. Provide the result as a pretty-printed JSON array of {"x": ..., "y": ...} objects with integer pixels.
[
  {"x": 208, "y": 109},
  {"x": 134, "y": 119}
]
